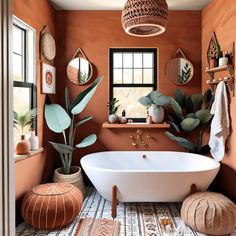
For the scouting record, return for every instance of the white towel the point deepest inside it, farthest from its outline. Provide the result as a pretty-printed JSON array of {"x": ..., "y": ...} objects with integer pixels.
[{"x": 220, "y": 122}]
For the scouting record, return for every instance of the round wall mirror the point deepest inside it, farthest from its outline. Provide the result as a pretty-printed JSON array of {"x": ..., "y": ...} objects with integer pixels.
[
  {"x": 79, "y": 71},
  {"x": 180, "y": 71}
]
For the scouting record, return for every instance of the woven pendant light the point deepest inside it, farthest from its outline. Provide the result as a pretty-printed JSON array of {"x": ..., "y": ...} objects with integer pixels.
[{"x": 144, "y": 18}]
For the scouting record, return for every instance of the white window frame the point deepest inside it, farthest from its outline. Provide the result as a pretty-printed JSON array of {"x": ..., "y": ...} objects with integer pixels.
[{"x": 30, "y": 57}]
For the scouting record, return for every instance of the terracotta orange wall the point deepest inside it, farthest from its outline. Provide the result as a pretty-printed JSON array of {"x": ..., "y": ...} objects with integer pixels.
[
  {"x": 220, "y": 16},
  {"x": 95, "y": 32},
  {"x": 39, "y": 168}
]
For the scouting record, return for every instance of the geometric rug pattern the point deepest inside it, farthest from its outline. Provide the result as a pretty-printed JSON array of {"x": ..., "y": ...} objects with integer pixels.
[{"x": 137, "y": 219}]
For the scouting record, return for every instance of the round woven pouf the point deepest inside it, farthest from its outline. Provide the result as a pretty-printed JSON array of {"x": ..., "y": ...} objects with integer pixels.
[
  {"x": 209, "y": 213},
  {"x": 51, "y": 206}
]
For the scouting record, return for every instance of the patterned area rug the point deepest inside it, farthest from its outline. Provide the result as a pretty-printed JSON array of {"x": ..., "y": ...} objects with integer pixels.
[
  {"x": 137, "y": 219},
  {"x": 98, "y": 227}
]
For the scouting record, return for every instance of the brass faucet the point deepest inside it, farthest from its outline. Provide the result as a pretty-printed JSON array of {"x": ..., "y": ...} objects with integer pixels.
[
  {"x": 133, "y": 141},
  {"x": 139, "y": 139}
]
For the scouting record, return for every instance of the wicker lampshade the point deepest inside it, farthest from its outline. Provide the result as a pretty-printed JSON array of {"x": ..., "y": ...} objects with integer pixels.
[{"x": 144, "y": 18}]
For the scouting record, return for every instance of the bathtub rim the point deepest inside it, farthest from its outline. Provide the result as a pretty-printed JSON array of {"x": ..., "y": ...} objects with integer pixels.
[{"x": 216, "y": 166}]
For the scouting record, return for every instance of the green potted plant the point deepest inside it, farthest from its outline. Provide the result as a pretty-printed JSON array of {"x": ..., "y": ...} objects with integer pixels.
[
  {"x": 59, "y": 120},
  {"x": 190, "y": 117},
  {"x": 20, "y": 122},
  {"x": 155, "y": 103},
  {"x": 113, "y": 108}
]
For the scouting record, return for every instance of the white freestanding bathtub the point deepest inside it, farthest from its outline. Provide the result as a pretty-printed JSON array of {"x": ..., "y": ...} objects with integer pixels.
[{"x": 160, "y": 177}]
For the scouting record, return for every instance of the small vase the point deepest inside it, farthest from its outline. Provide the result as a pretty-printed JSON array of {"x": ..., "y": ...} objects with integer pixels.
[
  {"x": 157, "y": 114},
  {"x": 113, "y": 118},
  {"x": 34, "y": 141},
  {"x": 75, "y": 177},
  {"x": 22, "y": 146}
]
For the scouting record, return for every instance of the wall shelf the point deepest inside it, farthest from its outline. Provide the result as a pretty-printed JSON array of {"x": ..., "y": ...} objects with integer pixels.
[
  {"x": 229, "y": 81},
  {"x": 135, "y": 126}
]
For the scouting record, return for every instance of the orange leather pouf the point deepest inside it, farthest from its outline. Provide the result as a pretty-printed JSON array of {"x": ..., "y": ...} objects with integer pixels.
[{"x": 51, "y": 206}]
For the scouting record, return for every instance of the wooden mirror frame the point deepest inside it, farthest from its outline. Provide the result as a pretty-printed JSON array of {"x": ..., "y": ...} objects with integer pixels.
[
  {"x": 180, "y": 55},
  {"x": 79, "y": 54}
]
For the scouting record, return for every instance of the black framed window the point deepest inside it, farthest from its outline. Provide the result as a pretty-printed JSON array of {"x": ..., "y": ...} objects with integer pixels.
[
  {"x": 133, "y": 74},
  {"x": 24, "y": 90}
]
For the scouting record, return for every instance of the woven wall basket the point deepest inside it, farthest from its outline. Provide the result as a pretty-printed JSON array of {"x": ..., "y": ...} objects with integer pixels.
[{"x": 144, "y": 18}]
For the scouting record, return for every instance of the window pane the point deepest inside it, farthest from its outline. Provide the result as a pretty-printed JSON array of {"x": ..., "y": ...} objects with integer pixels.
[
  {"x": 117, "y": 76},
  {"x": 147, "y": 60},
  {"x": 21, "y": 99},
  {"x": 117, "y": 60},
  {"x": 127, "y": 76},
  {"x": 138, "y": 60},
  {"x": 17, "y": 68},
  {"x": 17, "y": 40},
  {"x": 128, "y": 60},
  {"x": 128, "y": 98},
  {"x": 138, "y": 75},
  {"x": 147, "y": 76}
]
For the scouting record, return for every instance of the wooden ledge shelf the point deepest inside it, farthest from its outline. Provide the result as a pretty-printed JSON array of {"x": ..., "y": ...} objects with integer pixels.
[
  {"x": 135, "y": 126},
  {"x": 220, "y": 68}
]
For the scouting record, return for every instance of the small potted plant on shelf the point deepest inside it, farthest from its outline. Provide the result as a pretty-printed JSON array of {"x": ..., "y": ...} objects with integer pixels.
[
  {"x": 113, "y": 108},
  {"x": 20, "y": 122},
  {"x": 190, "y": 117},
  {"x": 59, "y": 120},
  {"x": 155, "y": 103}
]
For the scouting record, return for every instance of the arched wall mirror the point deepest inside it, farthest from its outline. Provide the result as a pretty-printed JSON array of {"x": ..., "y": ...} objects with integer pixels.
[
  {"x": 79, "y": 70},
  {"x": 180, "y": 70}
]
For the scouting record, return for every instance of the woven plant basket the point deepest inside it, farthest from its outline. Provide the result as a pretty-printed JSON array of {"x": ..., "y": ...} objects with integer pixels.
[{"x": 144, "y": 18}]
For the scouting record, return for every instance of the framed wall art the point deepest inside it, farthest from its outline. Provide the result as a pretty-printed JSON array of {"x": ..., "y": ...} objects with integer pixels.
[{"x": 48, "y": 79}]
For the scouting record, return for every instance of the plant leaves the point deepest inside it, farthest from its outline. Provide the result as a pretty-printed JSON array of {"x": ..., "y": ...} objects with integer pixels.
[
  {"x": 84, "y": 120},
  {"x": 207, "y": 97},
  {"x": 162, "y": 100},
  {"x": 56, "y": 118},
  {"x": 62, "y": 148},
  {"x": 181, "y": 141},
  {"x": 67, "y": 99},
  {"x": 189, "y": 124},
  {"x": 88, "y": 141},
  {"x": 145, "y": 101},
  {"x": 175, "y": 126},
  {"x": 197, "y": 100},
  {"x": 154, "y": 95},
  {"x": 204, "y": 115},
  {"x": 177, "y": 109},
  {"x": 180, "y": 97},
  {"x": 81, "y": 97},
  {"x": 189, "y": 105},
  {"x": 190, "y": 115}
]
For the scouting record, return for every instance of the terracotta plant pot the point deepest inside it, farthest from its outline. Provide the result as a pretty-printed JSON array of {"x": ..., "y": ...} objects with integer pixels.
[
  {"x": 22, "y": 146},
  {"x": 74, "y": 178}
]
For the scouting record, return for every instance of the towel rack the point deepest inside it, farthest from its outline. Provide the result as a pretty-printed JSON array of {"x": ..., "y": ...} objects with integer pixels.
[{"x": 229, "y": 80}]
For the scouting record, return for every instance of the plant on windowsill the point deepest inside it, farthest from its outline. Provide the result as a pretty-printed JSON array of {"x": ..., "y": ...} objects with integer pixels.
[
  {"x": 113, "y": 108},
  {"x": 20, "y": 122},
  {"x": 190, "y": 117},
  {"x": 155, "y": 103},
  {"x": 58, "y": 120}
]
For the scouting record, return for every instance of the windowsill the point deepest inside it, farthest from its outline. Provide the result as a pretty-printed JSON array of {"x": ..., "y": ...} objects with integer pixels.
[{"x": 29, "y": 155}]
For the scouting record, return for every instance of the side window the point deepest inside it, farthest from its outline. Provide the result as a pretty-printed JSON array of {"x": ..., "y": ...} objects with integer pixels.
[
  {"x": 24, "y": 71},
  {"x": 133, "y": 74}
]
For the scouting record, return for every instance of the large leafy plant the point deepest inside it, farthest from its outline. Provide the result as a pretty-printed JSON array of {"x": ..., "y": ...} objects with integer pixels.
[
  {"x": 154, "y": 98},
  {"x": 190, "y": 117},
  {"x": 59, "y": 119}
]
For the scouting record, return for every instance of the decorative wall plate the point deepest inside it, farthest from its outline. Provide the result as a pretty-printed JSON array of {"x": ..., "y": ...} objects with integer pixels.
[
  {"x": 47, "y": 45},
  {"x": 212, "y": 47}
]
